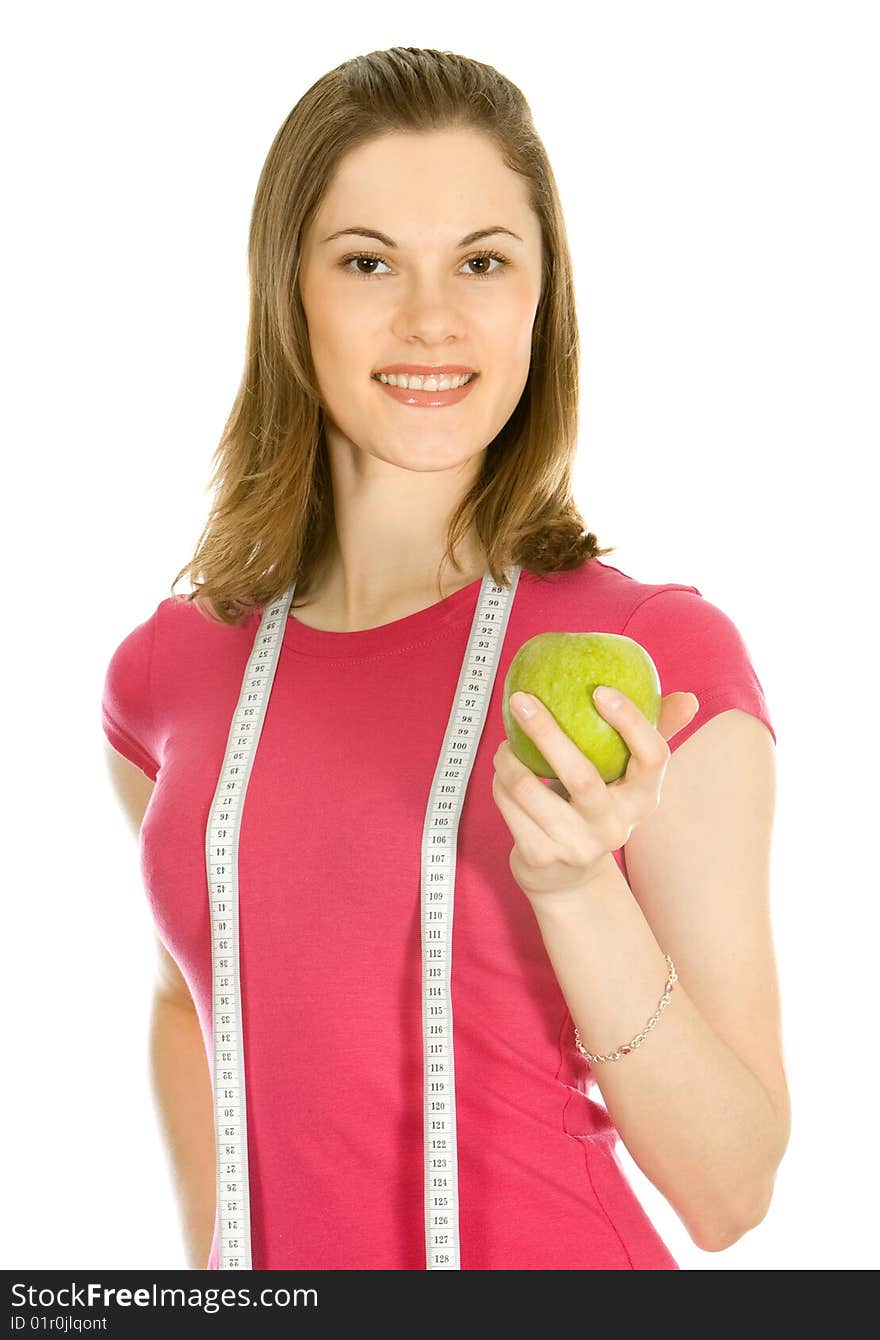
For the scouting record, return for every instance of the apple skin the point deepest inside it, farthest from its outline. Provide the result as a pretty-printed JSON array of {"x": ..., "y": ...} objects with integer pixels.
[{"x": 562, "y": 670}]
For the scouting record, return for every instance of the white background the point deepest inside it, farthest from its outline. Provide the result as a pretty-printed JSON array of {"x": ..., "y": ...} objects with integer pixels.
[{"x": 718, "y": 168}]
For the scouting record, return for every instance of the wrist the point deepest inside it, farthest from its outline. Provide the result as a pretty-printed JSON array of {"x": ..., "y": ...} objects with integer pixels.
[{"x": 603, "y": 884}]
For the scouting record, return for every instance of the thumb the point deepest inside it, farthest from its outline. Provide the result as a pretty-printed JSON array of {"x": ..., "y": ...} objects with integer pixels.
[{"x": 677, "y": 710}]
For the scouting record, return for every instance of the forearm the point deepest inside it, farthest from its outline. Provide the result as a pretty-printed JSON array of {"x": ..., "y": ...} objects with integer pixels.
[
  {"x": 693, "y": 1116},
  {"x": 182, "y": 1089}
]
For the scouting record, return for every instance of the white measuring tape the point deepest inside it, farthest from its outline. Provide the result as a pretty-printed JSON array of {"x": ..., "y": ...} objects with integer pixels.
[{"x": 439, "y": 845}]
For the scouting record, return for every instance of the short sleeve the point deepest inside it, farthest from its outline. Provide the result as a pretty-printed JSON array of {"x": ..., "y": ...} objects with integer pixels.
[
  {"x": 126, "y": 701},
  {"x": 698, "y": 649}
]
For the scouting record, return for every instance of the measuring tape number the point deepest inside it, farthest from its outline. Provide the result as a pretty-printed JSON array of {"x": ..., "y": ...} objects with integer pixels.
[{"x": 438, "y": 856}]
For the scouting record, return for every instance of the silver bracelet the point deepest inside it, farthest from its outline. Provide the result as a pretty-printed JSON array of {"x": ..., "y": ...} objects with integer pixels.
[{"x": 639, "y": 1037}]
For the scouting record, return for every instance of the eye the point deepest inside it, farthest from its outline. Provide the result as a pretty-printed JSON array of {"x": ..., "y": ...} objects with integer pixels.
[
  {"x": 488, "y": 256},
  {"x": 346, "y": 263}
]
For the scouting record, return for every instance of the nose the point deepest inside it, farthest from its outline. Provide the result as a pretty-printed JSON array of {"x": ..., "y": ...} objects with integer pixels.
[{"x": 430, "y": 313}]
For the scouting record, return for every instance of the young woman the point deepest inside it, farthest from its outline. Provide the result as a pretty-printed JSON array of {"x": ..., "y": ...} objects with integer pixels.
[{"x": 409, "y": 401}]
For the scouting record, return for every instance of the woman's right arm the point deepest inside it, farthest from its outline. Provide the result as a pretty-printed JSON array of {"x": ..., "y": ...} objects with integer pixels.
[
  {"x": 180, "y": 1076},
  {"x": 185, "y": 1104}
]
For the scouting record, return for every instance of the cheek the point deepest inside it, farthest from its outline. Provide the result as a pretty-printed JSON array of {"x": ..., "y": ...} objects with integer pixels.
[
  {"x": 342, "y": 359},
  {"x": 522, "y": 321},
  {"x": 510, "y": 334},
  {"x": 513, "y": 363},
  {"x": 327, "y": 339},
  {"x": 339, "y": 343},
  {"x": 353, "y": 402}
]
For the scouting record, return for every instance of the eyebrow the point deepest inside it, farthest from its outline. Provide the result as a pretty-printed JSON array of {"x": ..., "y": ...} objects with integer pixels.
[{"x": 387, "y": 242}]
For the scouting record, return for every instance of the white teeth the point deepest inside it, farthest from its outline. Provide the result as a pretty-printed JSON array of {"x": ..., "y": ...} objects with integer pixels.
[{"x": 413, "y": 383}]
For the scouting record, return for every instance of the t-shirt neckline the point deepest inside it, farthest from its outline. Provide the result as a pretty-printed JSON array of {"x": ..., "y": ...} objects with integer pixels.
[{"x": 420, "y": 626}]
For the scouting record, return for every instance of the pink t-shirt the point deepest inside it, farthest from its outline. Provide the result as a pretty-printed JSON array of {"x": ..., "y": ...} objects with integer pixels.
[{"x": 329, "y": 923}]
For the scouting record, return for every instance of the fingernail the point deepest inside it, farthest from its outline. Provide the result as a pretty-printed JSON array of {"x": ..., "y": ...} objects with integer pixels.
[
  {"x": 607, "y": 697},
  {"x": 523, "y": 704}
]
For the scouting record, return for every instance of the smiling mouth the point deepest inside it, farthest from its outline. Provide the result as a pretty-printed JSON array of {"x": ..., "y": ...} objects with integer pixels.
[
  {"x": 424, "y": 381},
  {"x": 425, "y": 392}
]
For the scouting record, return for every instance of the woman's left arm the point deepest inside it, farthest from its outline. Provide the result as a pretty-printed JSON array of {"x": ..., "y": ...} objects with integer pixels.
[{"x": 702, "y": 1103}]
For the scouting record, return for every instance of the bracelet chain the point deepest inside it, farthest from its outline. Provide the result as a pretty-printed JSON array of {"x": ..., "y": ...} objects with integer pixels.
[{"x": 639, "y": 1037}]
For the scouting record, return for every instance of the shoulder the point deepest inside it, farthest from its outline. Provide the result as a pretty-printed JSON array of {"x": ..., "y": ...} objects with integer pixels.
[
  {"x": 127, "y": 713},
  {"x": 176, "y": 625},
  {"x": 672, "y": 614},
  {"x": 697, "y": 645},
  {"x": 602, "y": 595},
  {"x": 699, "y": 648},
  {"x": 181, "y": 616},
  {"x": 134, "y": 654},
  {"x": 149, "y": 665}
]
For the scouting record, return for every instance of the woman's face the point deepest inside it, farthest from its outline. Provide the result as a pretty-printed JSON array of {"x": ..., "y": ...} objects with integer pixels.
[{"x": 429, "y": 299}]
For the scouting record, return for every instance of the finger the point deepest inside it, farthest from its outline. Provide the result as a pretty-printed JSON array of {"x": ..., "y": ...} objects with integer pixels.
[
  {"x": 649, "y": 751},
  {"x": 572, "y": 767},
  {"x": 638, "y": 791},
  {"x": 677, "y": 710},
  {"x": 528, "y": 835},
  {"x": 554, "y": 815}
]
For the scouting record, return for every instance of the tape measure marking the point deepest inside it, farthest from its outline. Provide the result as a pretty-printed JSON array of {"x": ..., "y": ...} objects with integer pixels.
[
  {"x": 439, "y": 847},
  {"x": 439, "y": 850}
]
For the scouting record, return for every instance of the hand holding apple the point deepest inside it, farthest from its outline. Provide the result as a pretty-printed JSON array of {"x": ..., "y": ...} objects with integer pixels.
[
  {"x": 562, "y": 670},
  {"x": 561, "y": 840}
]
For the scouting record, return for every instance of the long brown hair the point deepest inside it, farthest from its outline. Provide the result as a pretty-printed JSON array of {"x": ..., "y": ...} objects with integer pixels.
[{"x": 272, "y": 517}]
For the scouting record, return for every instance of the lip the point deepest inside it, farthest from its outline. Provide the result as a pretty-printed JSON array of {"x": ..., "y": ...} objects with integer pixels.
[
  {"x": 426, "y": 369},
  {"x": 426, "y": 399}
]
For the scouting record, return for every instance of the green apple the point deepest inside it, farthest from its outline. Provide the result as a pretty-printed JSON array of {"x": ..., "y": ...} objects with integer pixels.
[{"x": 562, "y": 670}]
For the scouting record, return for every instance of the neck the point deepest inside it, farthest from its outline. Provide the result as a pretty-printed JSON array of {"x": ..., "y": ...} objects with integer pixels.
[{"x": 385, "y": 557}]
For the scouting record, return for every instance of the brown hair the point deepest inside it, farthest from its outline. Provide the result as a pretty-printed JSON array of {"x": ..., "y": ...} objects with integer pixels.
[{"x": 272, "y": 517}]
